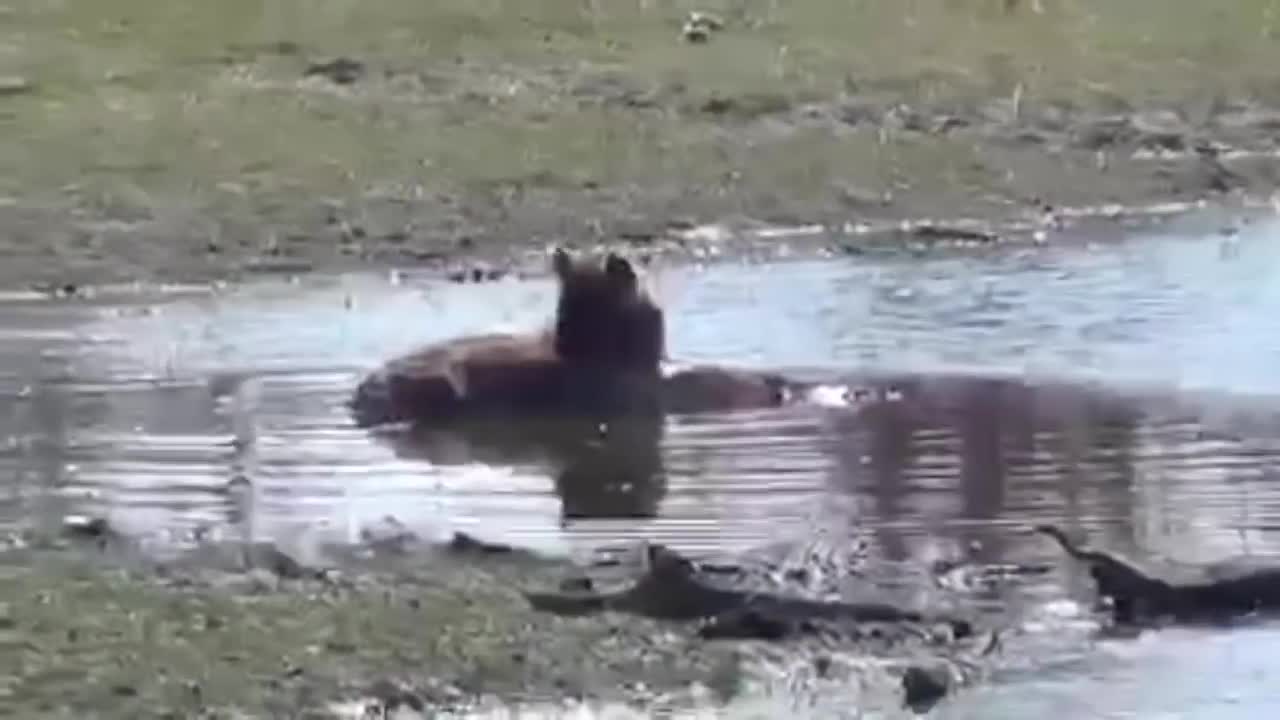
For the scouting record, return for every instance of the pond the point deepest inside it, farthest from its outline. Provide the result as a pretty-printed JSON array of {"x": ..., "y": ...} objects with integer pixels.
[{"x": 1118, "y": 383}]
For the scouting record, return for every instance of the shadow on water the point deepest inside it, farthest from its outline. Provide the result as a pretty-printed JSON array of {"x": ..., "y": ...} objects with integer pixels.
[
  {"x": 605, "y": 470},
  {"x": 1157, "y": 428}
]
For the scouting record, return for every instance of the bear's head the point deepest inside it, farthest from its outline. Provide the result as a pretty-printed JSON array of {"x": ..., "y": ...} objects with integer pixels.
[{"x": 604, "y": 316}]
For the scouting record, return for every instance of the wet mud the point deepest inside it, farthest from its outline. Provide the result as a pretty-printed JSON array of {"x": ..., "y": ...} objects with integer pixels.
[{"x": 1064, "y": 165}]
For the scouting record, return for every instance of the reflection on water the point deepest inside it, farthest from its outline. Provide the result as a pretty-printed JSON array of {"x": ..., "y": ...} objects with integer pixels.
[
  {"x": 1157, "y": 429},
  {"x": 1186, "y": 673}
]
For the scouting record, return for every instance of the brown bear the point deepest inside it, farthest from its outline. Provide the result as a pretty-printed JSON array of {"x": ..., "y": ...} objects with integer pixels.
[{"x": 602, "y": 355}]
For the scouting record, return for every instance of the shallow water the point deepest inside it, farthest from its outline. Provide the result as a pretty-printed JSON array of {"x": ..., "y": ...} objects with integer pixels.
[{"x": 1123, "y": 385}]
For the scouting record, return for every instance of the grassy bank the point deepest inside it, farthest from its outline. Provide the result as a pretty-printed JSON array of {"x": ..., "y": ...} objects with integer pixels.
[
  {"x": 502, "y": 120},
  {"x": 190, "y": 97},
  {"x": 80, "y": 640}
]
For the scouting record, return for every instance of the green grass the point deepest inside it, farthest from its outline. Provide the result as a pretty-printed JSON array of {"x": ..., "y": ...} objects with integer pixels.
[
  {"x": 175, "y": 99},
  {"x": 77, "y": 640}
]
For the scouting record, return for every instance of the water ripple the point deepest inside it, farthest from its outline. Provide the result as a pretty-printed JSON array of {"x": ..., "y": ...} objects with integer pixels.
[{"x": 1160, "y": 418}]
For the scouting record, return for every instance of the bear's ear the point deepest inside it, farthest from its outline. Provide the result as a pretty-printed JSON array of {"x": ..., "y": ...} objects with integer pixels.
[
  {"x": 561, "y": 263},
  {"x": 619, "y": 270}
]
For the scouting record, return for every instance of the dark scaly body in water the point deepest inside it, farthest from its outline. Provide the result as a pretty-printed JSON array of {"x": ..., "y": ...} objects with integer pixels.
[
  {"x": 672, "y": 589},
  {"x": 1139, "y": 595}
]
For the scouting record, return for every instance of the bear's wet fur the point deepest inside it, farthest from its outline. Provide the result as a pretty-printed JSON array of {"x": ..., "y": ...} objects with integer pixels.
[
  {"x": 602, "y": 355},
  {"x": 605, "y": 319},
  {"x": 707, "y": 388}
]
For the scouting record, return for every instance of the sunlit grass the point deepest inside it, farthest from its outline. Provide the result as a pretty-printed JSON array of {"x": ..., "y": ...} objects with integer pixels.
[
  {"x": 79, "y": 640},
  {"x": 179, "y": 97}
]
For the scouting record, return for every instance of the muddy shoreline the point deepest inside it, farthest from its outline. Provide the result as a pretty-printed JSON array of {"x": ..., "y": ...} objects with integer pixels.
[
  {"x": 285, "y": 145},
  {"x": 1036, "y": 173},
  {"x": 96, "y": 623}
]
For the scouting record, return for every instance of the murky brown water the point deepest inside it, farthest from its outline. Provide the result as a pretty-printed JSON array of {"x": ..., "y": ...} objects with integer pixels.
[{"x": 1156, "y": 424}]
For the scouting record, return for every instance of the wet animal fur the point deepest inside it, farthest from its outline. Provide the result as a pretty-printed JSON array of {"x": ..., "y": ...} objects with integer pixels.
[
  {"x": 601, "y": 354},
  {"x": 703, "y": 388}
]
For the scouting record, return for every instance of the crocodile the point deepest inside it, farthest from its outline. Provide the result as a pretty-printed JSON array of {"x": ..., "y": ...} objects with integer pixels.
[
  {"x": 672, "y": 589},
  {"x": 1137, "y": 595}
]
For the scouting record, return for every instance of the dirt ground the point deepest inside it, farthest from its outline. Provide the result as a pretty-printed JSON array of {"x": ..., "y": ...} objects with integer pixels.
[{"x": 199, "y": 141}]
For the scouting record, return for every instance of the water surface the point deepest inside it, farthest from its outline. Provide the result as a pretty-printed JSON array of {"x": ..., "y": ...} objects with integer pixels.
[{"x": 1121, "y": 385}]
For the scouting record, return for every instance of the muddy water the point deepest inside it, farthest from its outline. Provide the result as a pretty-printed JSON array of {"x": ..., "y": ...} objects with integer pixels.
[{"x": 1124, "y": 385}]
